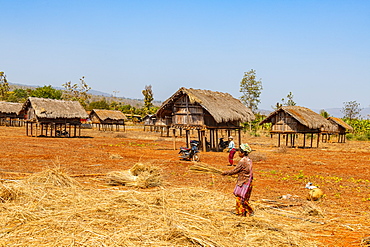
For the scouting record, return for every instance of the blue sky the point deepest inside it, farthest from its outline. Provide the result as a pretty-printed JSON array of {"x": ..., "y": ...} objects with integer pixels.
[{"x": 318, "y": 50}]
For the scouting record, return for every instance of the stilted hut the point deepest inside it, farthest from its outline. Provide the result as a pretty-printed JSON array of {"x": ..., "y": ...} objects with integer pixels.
[
  {"x": 107, "y": 119},
  {"x": 50, "y": 117},
  {"x": 9, "y": 114},
  {"x": 203, "y": 110},
  {"x": 289, "y": 121},
  {"x": 149, "y": 122},
  {"x": 340, "y": 128}
]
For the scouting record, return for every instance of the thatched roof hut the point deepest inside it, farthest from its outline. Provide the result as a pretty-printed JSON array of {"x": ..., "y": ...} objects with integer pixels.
[
  {"x": 204, "y": 108},
  {"x": 107, "y": 116},
  {"x": 54, "y": 115},
  {"x": 149, "y": 119},
  {"x": 292, "y": 120},
  {"x": 10, "y": 108},
  {"x": 9, "y": 113},
  {"x": 296, "y": 119},
  {"x": 42, "y": 109},
  {"x": 107, "y": 119},
  {"x": 341, "y": 126}
]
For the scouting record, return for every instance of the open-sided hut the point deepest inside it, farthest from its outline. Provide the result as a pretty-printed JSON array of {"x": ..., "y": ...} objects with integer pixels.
[
  {"x": 289, "y": 121},
  {"x": 52, "y": 117},
  {"x": 340, "y": 128},
  {"x": 107, "y": 119},
  {"x": 9, "y": 114},
  {"x": 196, "y": 109}
]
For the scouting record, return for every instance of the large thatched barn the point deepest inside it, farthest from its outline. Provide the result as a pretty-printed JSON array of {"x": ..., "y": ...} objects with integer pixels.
[
  {"x": 196, "y": 109},
  {"x": 54, "y": 117},
  {"x": 339, "y": 128},
  {"x": 107, "y": 119},
  {"x": 9, "y": 114},
  {"x": 289, "y": 121}
]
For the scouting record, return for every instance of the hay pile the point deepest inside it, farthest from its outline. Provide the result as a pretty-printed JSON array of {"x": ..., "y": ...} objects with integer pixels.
[
  {"x": 9, "y": 192},
  {"x": 47, "y": 214},
  {"x": 52, "y": 177},
  {"x": 140, "y": 175}
]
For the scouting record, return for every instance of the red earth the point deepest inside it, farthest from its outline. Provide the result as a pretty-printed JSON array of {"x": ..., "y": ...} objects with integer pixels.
[{"x": 341, "y": 170}]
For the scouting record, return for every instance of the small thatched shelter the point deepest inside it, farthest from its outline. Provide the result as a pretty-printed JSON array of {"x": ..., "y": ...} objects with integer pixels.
[
  {"x": 339, "y": 127},
  {"x": 107, "y": 119},
  {"x": 9, "y": 114},
  {"x": 53, "y": 116},
  {"x": 149, "y": 121},
  {"x": 203, "y": 110},
  {"x": 290, "y": 121}
]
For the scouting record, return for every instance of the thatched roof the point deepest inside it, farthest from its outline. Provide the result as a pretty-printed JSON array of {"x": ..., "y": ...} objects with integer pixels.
[
  {"x": 10, "y": 107},
  {"x": 222, "y": 106},
  {"x": 109, "y": 114},
  {"x": 52, "y": 108},
  {"x": 303, "y": 115},
  {"x": 340, "y": 122}
]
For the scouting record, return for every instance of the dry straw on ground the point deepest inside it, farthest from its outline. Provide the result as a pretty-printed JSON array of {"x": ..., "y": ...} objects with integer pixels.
[
  {"x": 59, "y": 213},
  {"x": 140, "y": 175}
]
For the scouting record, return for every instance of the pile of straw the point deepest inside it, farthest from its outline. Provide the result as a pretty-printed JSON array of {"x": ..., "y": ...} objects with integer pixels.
[
  {"x": 52, "y": 177},
  {"x": 9, "y": 192},
  {"x": 202, "y": 167},
  {"x": 53, "y": 215},
  {"x": 140, "y": 175}
]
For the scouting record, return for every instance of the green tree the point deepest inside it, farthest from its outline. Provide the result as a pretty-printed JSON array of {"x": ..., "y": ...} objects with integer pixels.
[
  {"x": 101, "y": 104},
  {"x": 289, "y": 101},
  {"x": 19, "y": 95},
  {"x": 4, "y": 87},
  {"x": 324, "y": 113},
  {"x": 351, "y": 109},
  {"x": 77, "y": 92},
  {"x": 251, "y": 89},
  {"x": 127, "y": 109},
  {"x": 47, "y": 92},
  {"x": 148, "y": 97}
]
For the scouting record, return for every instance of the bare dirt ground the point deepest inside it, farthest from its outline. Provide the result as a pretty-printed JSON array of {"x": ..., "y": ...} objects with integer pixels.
[{"x": 340, "y": 170}]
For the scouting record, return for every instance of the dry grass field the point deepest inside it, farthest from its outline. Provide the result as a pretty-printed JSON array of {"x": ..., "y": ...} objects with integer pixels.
[{"x": 55, "y": 192}]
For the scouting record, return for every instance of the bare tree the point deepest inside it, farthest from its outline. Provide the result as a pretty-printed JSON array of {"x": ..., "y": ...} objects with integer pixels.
[
  {"x": 77, "y": 92},
  {"x": 351, "y": 109}
]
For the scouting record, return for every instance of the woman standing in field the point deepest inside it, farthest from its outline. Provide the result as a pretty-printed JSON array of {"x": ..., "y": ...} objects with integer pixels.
[
  {"x": 243, "y": 187},
  {"x": 231, "y": 150}
]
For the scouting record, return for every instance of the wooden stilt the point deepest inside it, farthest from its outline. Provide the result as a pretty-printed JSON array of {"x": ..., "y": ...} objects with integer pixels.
[
  {"x": 174, "y": 139},
  {"x": 318, "y": 139},
  {"x": 187, "y": 138}
]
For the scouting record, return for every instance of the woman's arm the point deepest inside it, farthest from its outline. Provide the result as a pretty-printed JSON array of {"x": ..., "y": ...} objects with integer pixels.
[{"x": 236, "y": 170}]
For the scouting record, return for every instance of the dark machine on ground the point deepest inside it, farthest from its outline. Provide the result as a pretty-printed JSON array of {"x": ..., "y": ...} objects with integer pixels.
[
  {"x": 223, "y": 144},
  {"x": 191, "y": 153}
]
